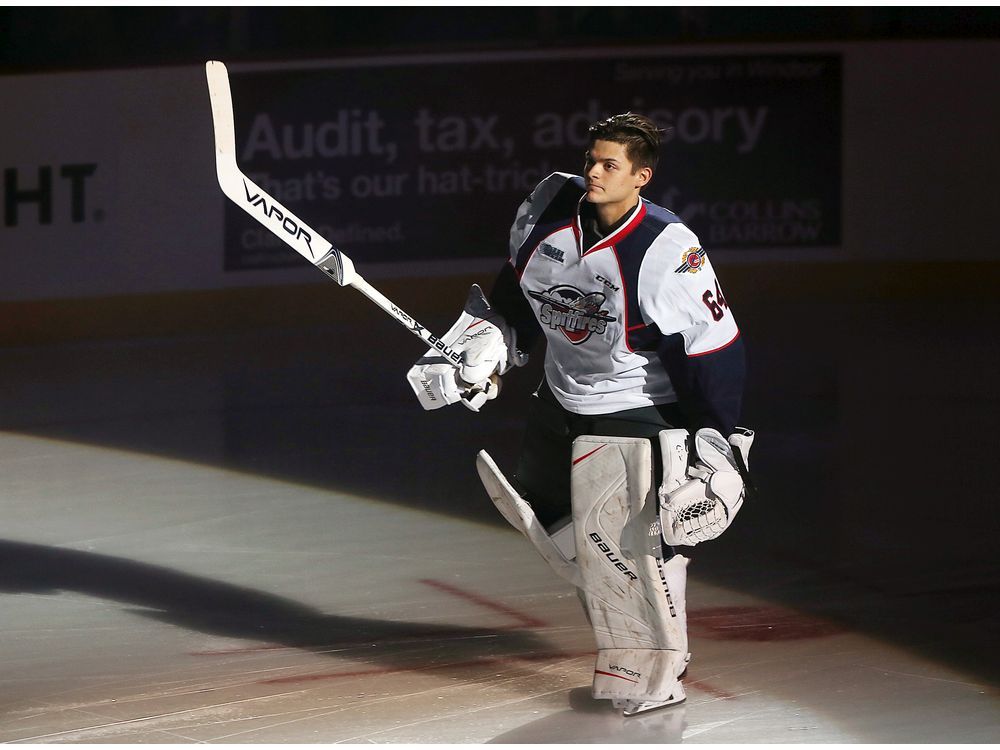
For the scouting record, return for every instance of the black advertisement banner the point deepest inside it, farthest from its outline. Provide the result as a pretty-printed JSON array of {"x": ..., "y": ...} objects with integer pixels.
[{"x": 425, "y": 161}]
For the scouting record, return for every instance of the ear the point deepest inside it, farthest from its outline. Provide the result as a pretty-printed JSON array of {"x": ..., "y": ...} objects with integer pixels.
[{"x": 643, "y": 176}]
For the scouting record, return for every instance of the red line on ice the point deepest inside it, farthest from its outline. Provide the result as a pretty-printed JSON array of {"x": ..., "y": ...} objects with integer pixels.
[
  {"x": 710, "y": 689},
  {"x": 526, "y": 620},
  {"x": 242, "y": 650},
  {"x": 490, "y": 662}
]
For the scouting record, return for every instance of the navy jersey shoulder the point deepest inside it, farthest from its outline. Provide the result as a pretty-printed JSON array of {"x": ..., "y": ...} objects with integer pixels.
[
  {"x": 560, "y": 212},
  {"x": 631, "y": 251}
]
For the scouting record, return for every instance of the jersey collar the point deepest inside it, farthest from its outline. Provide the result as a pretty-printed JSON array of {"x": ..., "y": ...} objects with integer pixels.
[{"x": 624, "y": 229}]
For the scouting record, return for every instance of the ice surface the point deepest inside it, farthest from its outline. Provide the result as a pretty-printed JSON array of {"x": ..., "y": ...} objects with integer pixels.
[{"x": 249, "y": 539}]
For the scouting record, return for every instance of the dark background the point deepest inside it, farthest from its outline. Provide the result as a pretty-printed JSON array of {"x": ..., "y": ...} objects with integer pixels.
[
  {"x": 875, "y": 401},
  {"x": 34, "y": 39},
  {"x": 780, "y": 176}
]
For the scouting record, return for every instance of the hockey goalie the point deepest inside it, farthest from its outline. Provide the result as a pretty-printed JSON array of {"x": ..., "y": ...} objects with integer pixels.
[
  {"x": 625, "y": 457},
  {"x": 631, "y": 449}
]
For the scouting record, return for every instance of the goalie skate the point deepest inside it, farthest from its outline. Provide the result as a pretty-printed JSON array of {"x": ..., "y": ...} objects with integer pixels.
[{"x": 634, "y": 707}]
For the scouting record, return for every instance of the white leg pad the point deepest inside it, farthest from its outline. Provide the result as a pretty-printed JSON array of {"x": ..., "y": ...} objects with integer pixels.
[
  {"x": 556, "y": 550},
  {"x": 641, "y": 638}
]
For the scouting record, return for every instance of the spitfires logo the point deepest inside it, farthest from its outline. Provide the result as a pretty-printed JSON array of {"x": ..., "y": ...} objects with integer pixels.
[
  {"x": 694, "y": 258},
  {"x": 577, "y": 315}
]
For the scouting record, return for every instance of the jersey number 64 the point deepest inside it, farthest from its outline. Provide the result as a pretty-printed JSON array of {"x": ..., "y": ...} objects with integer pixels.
[{"x": 715, "y": 305}]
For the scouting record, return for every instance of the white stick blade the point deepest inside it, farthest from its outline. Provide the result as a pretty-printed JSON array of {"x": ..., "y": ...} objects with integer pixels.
[
  {"x": 242, "y": 191},
  {"x": 222, "y": 110}
]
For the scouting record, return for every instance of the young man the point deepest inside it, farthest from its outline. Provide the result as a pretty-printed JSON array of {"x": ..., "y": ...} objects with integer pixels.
[{"x": 639, "y": 340}]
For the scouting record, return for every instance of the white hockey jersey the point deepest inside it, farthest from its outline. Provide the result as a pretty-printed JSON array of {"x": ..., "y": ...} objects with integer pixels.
[{"x": 605, "y": 310}]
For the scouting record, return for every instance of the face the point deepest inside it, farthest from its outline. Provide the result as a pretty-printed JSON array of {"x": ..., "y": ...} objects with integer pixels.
[{"x": 609, "y": 176}]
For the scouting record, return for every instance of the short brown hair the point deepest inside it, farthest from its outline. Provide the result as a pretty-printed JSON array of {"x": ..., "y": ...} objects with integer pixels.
[{"x": 637, "y": 133}]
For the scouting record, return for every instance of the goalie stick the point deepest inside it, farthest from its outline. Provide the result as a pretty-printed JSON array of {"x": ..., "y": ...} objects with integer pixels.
[{"x": 242, "y": 191}]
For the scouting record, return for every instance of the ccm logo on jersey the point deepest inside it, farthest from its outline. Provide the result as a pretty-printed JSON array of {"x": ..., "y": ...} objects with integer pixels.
[
  {"x": 603, "y": 547},
  {"x": 694, "y": 258},
  {"x": 576, "y": 314},
  {"x": 608, "y": 283}
]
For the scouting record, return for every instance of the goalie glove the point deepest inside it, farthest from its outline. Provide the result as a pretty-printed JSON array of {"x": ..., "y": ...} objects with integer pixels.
[
  {"x": 488, "y": 349},
  {"x": 700, "y": 501}
]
